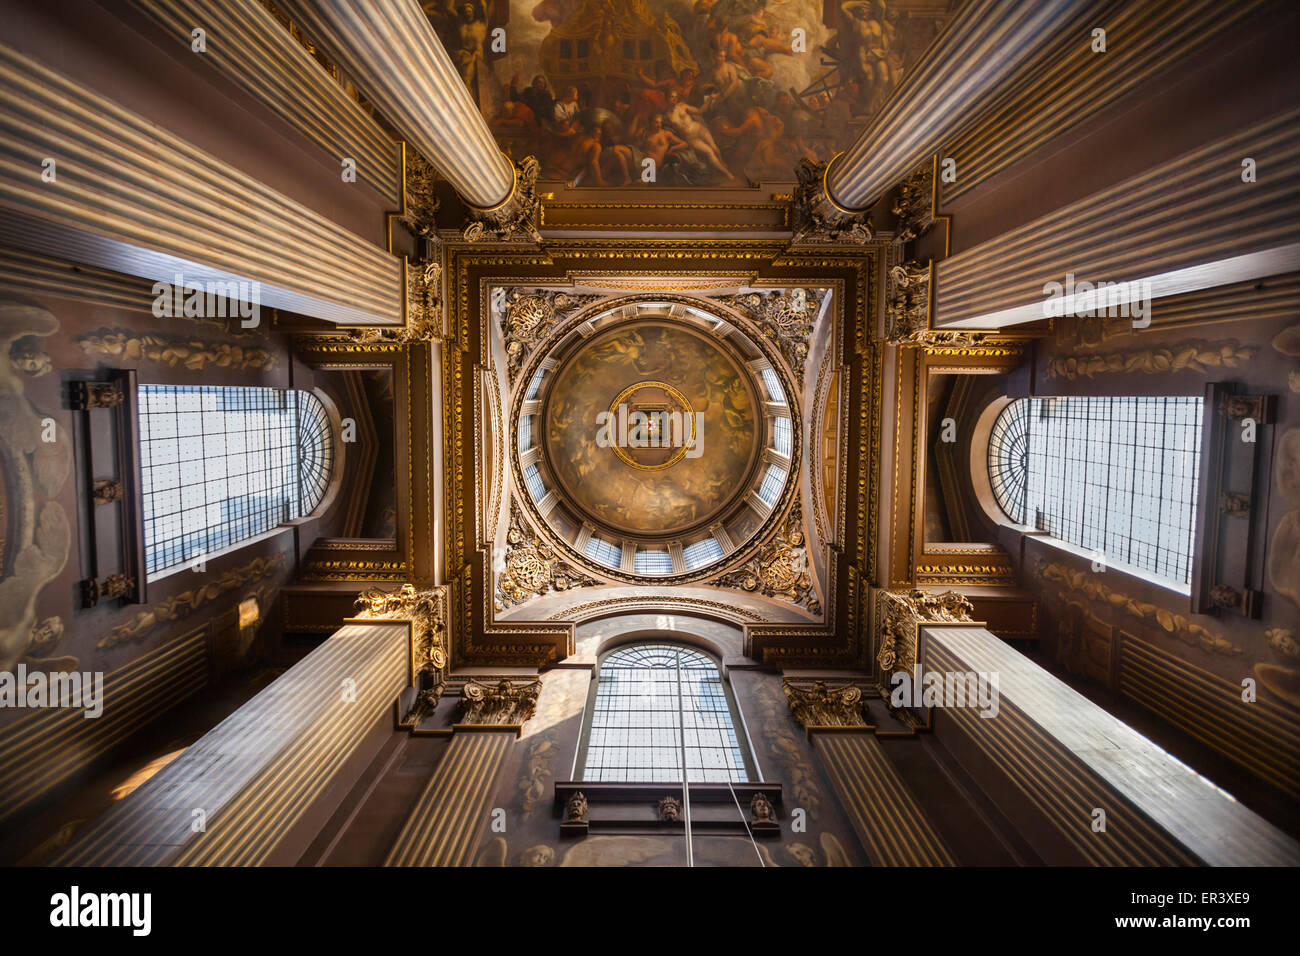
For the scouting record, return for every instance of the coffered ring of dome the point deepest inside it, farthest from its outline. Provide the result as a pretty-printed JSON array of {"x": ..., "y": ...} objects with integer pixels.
[{"x": 653, "y": 437}]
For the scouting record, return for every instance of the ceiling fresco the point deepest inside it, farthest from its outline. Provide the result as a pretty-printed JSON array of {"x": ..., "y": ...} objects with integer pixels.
[
  {"x": 652, "y": 368},
  {"x": 675, "y": 93}
]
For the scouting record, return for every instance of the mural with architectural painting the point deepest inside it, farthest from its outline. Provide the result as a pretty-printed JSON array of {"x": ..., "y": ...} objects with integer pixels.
[{"x": 715, "y": 92}]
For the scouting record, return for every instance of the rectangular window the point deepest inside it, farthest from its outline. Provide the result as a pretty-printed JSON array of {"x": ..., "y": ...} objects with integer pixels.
[
  {"x": 783, "y": 437},
  {"x": 773, "y": 385},
  {"x": 653, "y": 562},
  {"x": 218, "y": 465},
  {"x": 770, "y": 489},
  {"x": 700, "y": 553},
  {"x": 604, "y": 551}
]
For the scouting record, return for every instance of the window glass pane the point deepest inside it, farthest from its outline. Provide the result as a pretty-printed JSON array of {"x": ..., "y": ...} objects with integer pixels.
[
  {"x": 653, "y": 562},
  {"x": 220, "y": 465},
  {"x": 700, "y": 553},
  {"x": 654, "y": 704},
  {"x": 1111, "y": 474},
  {"x": 782, "y": 437},
  {"x": 770, "y": 489}
]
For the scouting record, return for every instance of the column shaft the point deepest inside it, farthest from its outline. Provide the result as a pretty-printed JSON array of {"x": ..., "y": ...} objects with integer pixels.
[
  {"x": 256, "y": 772},
  {"x": 981, "y": 47},
  {"x": 889, "y": 821},
  {"x": 125, "y": 196},
  {"x": 1070, "y": 758},
  {"x": 441, "y": 829},
  {"x": 391, "y": 50},
  {"x": 1188, "y": 224}
]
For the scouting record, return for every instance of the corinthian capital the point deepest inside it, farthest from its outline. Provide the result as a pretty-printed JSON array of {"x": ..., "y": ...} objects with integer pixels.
[
  {"x": 815, "y": 703},
  {"x": 426, "y": 610},
  {"x": 902, "y": 615},
  {"x": 817, "y": 218},
  {"x": 503, "y": 702},
  {"x": 515, "y": 219}
]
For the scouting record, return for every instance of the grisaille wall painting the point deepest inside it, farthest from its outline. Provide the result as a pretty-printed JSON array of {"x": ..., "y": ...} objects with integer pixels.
[{"x": 716, "y": 92}]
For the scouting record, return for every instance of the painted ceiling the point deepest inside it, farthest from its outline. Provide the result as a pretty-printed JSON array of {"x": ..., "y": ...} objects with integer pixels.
[{"x": 675, "y": 93}]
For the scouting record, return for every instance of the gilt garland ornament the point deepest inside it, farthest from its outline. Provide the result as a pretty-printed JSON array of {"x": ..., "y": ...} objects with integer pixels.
[
  {"x": 1195, "y": 356},
  {"x": 527, "y": 318},
  {"x": 531, "y": 568},
  {"x": 426, "y": 609},
  {"x": 785, "y": 318},
  {"x": 903, "y": 611},
  {"x": 504, "y": 701},
  {"x": 514, "y": 220},
  {"x": 780, "y": 569},
  {"x": 819, "y": 704},
  {"x": 815, "y": 219}
]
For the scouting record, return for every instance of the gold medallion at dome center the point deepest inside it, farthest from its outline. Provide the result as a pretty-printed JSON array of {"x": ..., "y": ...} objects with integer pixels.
[{"x": 667, "y": 431}]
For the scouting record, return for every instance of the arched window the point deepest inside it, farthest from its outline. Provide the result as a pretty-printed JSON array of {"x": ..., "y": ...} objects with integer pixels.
[
  {"x": 220, "y": 465},
  {"x": 1115, "y": 475},
  {"x": 655, "y": 704}
]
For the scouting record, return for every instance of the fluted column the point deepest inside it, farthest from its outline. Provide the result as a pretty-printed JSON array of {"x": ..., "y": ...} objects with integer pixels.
[
  {"x": 1192, "y": 223},
  {"x": 979, "y": 49},
  {"x": 85, "y": 179},
  {"x": 442, "y": 827},
  {"x": 245, "y": 43},
  {"x": 894, "y": 828},
  {"x": 394, "y": 55},
  {"x": 1070, "y": 759},
  {"x": 231, "y": 797}
]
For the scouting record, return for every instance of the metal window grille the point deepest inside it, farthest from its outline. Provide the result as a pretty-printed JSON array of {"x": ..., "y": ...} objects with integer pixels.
[
  {"x": 773, "y": 385},
  {"x": 653, "y": 562},
  {"x": 701, "y": 552},
  {"x": 783, "y": 436},
  {"x": 1117, "y": 475},
  {"x": 534, "y": 480},
  {"x": 655, "y": 703},
  {"x": 222, "y": 464},
  {"x": 606, "y": 552},
  {"x": 770, "y": 489}
]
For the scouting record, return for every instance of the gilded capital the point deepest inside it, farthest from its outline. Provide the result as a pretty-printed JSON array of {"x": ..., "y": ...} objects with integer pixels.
[
  {"x": 815, "y": 215},
  {"x": 516, "y": 218},
  {"x": 504, "y": 702},
  {"x": 426, "y": 610},
  {"x": 815, "y": 703},
  {"x": 903, "y": 613}
]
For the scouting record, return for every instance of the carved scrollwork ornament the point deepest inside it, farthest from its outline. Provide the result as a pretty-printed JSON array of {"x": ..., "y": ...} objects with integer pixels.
[
  {"x": 903, "y": 611},
  {"x": 819, "y": 704},
  {"x": 816, "y": 218},
  {"x": 514, "y": 220},
  {"x": 528, "y": 317},
  {"x": 913, "y": 205},
  {"x": 420, "y": 215},
  {"x": 785, "y": 318}
]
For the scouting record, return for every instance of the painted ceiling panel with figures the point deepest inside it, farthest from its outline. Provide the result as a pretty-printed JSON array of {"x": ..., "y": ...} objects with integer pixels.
[{"x": 675, "y": 93}]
